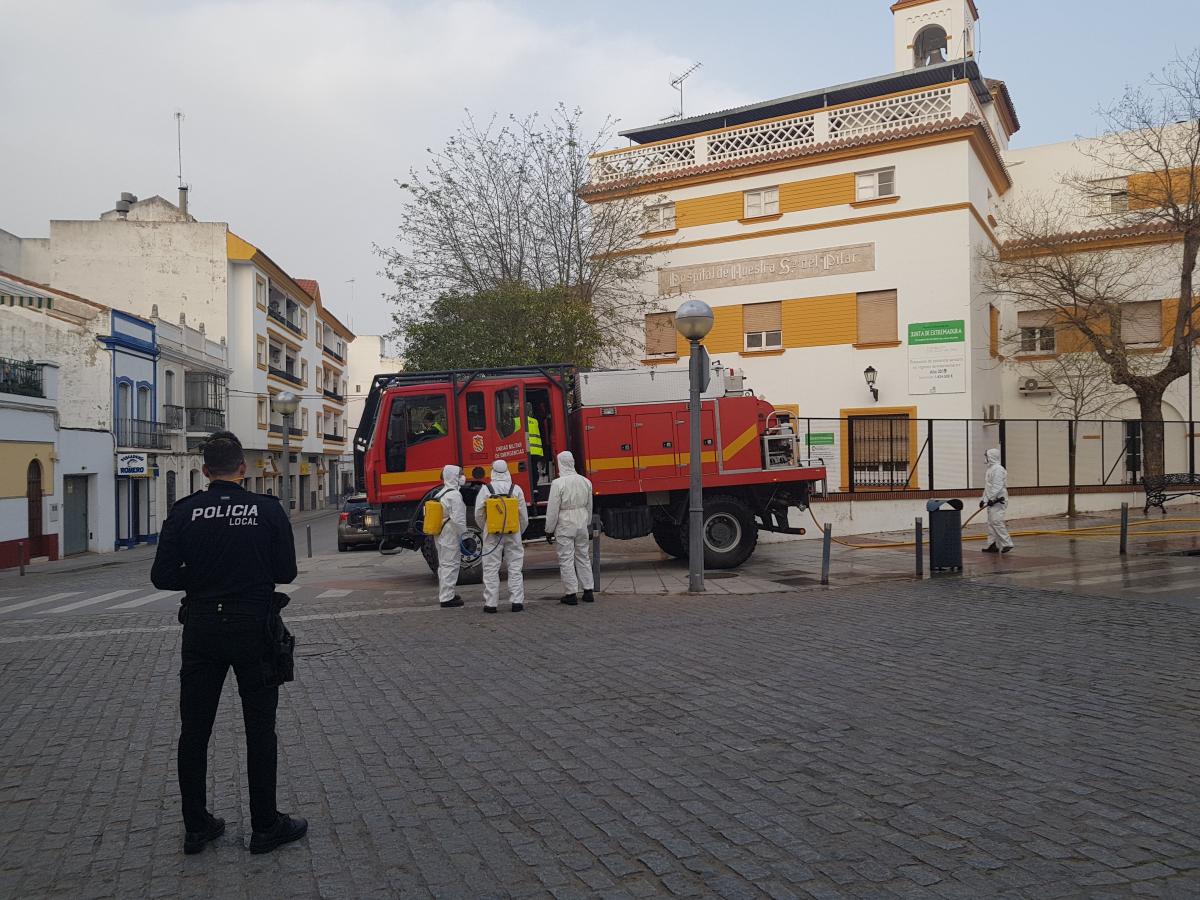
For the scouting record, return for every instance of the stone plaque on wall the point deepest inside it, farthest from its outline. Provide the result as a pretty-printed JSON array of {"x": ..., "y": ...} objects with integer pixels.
[{"x": 763, "y": 269}]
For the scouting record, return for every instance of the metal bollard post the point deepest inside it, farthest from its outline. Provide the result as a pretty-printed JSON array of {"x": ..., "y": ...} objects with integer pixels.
[
  {"x": 920, "y": 549},
  {"x": 21, "y": 556},
  {"x": 308, "y": 528},
  {"x": 1124, "y": 528},
  {"x": 827, "y": 543},
  {"x": 596, "y": 551}
]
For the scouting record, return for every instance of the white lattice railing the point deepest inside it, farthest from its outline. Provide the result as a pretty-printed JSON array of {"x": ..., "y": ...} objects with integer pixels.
[
  {"x": 749, "y": 141},
  {"x": 891, "y": 114}
]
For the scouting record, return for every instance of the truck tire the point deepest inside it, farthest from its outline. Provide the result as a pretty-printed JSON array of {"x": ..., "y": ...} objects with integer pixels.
[
  {"x": 730, "y": 532},
  {"x": 470, "y": 573},
  {"x": 670, "y": 539}
]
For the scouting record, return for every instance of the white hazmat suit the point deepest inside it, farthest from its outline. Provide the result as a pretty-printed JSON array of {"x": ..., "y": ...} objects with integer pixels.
[
  {"x": 500, "y": 547},
  {"x": 995, "y": 497},
  {"x": 568, "y": 517},
  {"x": 454, "y": 520}
]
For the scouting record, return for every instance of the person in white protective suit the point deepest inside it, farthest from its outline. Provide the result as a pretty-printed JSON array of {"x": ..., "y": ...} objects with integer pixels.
[
  {"x": 995, "y": 498},
  {"x": 449, "y": 550},
  {"x": 500, "y": 547},
  {"x": 568, "y": 518}
]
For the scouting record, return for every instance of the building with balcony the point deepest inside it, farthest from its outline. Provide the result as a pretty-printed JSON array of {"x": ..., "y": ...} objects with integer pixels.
[
  {"x": 246, "y": 330},
  {"x": 837, "y": 233},
  {"x": 57, "y": 445},
  {"x": 368, "y": 357}
]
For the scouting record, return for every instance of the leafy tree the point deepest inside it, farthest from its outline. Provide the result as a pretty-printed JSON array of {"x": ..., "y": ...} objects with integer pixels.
[
  {"x": 500, "y": 205},
  {"x": 512, "y": 325}
]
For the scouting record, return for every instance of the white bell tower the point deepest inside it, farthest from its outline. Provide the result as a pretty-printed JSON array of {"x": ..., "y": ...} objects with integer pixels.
[{"x": 933, "y": 31}]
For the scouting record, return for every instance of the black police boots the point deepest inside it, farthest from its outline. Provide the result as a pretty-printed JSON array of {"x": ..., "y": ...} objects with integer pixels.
[
  {"x": 569, "y": 599},
  {"x": 588, "y": 596},
  {"x": 194, "y": 841},
  {"x": 452, "y": 604},
  {"x": 284, "y": 831}
]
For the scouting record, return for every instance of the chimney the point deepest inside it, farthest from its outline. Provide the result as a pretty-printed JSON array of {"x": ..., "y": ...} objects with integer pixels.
[
  {"x": 127, "y": 200},
  {"x": 183, "y": 198}
]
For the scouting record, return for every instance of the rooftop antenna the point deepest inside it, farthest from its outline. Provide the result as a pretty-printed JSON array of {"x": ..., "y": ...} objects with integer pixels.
[
  {"x": 183, "y": 188},
  {"x": 677, "y": 83}
]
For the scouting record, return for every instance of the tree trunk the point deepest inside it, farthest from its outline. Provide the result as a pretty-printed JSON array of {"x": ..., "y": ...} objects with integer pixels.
[
  {"x": 1072, "y": 430},
  {"x": 1153, "y": 450}
]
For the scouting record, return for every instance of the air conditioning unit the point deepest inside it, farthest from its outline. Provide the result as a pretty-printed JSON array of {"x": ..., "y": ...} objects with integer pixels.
[{"x": 1031, "y": 386}]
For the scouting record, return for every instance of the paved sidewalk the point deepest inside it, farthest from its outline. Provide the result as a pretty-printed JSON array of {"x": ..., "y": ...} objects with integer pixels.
[{"x": 893, "y": 740}]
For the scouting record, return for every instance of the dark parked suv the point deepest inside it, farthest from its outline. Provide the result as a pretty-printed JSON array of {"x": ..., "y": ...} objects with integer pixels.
[{"x": 358, "y": 523}]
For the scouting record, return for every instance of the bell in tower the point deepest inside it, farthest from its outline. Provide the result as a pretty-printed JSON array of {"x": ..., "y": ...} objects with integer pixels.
[
  {"x": 929, "y": 46},
  {"x": 929, "y": 32}
]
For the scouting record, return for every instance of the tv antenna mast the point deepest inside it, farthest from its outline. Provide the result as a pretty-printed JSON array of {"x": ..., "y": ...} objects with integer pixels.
[
  {"x": 179, "y": 142},
  {"x": 677, "y": 83}
]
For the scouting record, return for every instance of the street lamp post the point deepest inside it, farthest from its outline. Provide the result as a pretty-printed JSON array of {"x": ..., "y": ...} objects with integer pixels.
[
  {"x": 286, "y": 403},
  {"x": 694, "y": 320}
]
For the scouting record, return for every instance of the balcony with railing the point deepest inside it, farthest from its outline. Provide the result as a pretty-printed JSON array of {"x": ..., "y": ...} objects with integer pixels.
[
  {"x": 24, "y": 378},
  {"x": 173, "y": 417},
  {"x": 333, "y": 353},
  {"x": 206, "y": 420},
  {"x": 333, "y": 395},
  {"x": 335, "y": 438},
  {"x": 286, "y": 375},
  {"x": 276, "y": 315},
  {"x": 277, "y": 428},
  {"x": 142, "y": 434},
  {"x": 743, "y": 145}
]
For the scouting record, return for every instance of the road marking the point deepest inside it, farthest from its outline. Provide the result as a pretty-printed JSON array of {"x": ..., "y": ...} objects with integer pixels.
[
  {"x": 91, "y": 601},
  {"x": 50, "y": 599},
  {"x": 331, "y": 594},
  {"x": 1128, "y": 576},
  {"x": 142, "y": 601}
]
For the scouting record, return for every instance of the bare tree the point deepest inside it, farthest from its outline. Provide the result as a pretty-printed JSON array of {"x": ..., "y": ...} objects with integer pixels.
[
  {"x": 500, "y": 206},
  {"x": 1080, "y": 387},
  {"x": 1146, "y": 200}
]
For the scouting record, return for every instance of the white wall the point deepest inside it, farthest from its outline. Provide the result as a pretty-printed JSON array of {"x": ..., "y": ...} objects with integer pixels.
[{"x": 89, "y": 453}]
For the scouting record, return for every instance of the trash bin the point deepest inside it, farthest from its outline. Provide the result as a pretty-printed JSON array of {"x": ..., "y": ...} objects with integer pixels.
[{"x": 945, "y": 535}]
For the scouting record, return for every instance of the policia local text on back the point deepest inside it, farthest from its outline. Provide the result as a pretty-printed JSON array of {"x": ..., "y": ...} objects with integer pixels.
[{"x": 228, "y": 548}]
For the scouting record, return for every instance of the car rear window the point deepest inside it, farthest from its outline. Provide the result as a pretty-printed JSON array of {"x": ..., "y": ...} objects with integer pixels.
[{"x": 353, "y": 504}]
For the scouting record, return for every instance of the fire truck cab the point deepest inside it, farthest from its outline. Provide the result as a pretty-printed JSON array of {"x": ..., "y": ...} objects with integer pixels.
[{"x": 628, "y": 431}]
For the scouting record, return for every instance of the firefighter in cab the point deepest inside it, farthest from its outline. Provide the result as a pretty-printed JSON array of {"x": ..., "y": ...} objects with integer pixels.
[
  {"x": 446, "y": 521},
  {"x": 502, "y": 515},
  {"x": 569, "y": 519}
]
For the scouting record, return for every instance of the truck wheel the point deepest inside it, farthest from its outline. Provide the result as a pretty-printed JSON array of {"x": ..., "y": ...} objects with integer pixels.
[
  {"x": 470, "y": 573},
  {"x": 671, "y": 540},
  {"x": 730, "y": 533}
]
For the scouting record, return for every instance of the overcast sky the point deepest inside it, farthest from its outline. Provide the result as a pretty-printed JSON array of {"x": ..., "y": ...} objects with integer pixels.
[{"x": 300, "y": 113}]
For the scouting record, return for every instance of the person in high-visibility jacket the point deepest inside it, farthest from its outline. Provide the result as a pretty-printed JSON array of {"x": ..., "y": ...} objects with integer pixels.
[
  {"x": 568, "y": 518},
  {"x": 533, "y": 433},
  {"x": 498, "y": 548}
]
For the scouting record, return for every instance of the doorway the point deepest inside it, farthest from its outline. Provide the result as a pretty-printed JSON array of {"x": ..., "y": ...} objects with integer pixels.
[
  {"x": 33, "y": 498},
  {"x": 75, "y": 514}
]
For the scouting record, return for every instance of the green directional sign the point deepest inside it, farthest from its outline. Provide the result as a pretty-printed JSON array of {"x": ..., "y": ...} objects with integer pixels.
[{"x": 953, "y": 332}]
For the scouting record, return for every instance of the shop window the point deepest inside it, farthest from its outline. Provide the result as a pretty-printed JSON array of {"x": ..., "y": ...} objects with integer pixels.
[
  {"x": 764, "y": 202},
  {"x": 876, "y": 184},
  {"x": 877, "y": 317}
]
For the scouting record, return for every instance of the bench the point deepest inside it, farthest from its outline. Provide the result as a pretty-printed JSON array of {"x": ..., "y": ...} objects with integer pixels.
[{"x": 1161, "y": 488}]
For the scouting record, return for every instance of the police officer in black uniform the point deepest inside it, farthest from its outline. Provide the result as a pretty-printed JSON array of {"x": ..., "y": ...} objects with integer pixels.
[{"x": 227, "y": 548}]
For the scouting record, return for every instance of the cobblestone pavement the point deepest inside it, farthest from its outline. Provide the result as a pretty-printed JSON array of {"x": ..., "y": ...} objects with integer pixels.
[{"x": 939, "y": 739}]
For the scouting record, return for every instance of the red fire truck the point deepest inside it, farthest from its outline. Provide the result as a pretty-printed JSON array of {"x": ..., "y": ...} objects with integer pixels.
[{"x": 628, "y": 430}]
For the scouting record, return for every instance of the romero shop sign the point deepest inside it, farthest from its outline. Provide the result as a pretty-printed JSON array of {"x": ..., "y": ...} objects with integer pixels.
[{"x": 765, "y": 269}]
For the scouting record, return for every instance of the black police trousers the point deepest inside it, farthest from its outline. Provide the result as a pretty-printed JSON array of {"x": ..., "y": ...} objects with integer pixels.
[{"x": 217, "y": 635}]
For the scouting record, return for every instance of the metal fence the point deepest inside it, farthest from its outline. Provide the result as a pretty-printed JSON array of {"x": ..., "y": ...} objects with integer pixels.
[
  {"x": 18, "y": 377},
  {"x": 897, "y": 453}
]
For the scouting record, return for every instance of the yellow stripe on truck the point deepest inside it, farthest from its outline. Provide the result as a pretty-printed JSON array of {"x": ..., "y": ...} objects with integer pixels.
[
  {"x": 740, "y": 443},
  {"x": 388, "y": 479}
]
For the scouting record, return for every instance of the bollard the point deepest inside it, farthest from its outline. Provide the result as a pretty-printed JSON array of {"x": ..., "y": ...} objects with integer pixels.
[
  {"x": 308, "y": 528},
  {"x": 1124, "y": 528},
  {"x": 826, "y": 544},
  {"x": 596, "y": 551},
  {"x": 21, "y": 556},
  {"x": 920, "y": 549}
]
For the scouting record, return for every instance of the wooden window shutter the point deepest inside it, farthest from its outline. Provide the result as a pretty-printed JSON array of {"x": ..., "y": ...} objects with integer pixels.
[
  {"x": 660, "y": 334},
  {"x": 877, "y": 317},
  {"x": 1030, "y": 318},
  {"x": 762, "y": 317},
  {"x": 1141, "y": 323},
  {"x": 993, "y": 331}
]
